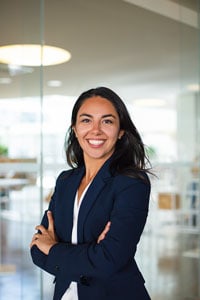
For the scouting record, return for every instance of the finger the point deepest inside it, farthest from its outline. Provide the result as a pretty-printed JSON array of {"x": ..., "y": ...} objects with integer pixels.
[
  {"x": 41, "y": 228},
  {"x": 36, "y": 237},
  {"x": 107, "y": 228},
  {"x": 100, "y": 238},
  {"x": 104, "y": 232},
  {"x": 34, "y": 240},
  {"x": 51, "y": 221}
]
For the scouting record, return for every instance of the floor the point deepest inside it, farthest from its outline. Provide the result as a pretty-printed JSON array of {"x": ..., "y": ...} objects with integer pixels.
[{"x": 168, "y": 257}]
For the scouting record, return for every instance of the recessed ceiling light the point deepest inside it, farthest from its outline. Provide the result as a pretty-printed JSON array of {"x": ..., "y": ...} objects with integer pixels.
[
  {"x": 33, "y": 55},
  {"x": 150, "y": 102},
  {"x": 54, "y": 83}
]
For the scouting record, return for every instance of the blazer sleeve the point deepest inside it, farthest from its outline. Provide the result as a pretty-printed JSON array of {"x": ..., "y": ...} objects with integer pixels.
[
  {"x": 128, "y": 218},
  {"x": 38, "y": 257}
]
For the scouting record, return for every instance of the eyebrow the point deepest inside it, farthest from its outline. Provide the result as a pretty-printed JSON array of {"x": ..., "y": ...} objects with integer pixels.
[{"x": 103, "y": 116}]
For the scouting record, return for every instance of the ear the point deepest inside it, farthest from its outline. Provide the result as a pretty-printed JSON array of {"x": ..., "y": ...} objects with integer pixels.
[{"x": 121, "y": 133}]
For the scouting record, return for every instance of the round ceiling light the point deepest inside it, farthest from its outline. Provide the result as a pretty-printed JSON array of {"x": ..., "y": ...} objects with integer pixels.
[{"x": 33, "y": 55}]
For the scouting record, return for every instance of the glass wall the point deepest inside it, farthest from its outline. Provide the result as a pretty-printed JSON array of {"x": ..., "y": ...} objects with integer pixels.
[
  {"x": 149, "y": 55},
  {"x": 20, "y": 157}
]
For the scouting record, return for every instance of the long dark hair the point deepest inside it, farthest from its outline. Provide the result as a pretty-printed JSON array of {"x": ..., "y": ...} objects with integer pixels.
[{"x": 129, "y": 156}]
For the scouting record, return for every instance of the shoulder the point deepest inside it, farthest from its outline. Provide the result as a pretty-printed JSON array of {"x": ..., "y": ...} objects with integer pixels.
[
  {"x": 134, "y": 192},
  {"x": 64, "y": 175},
  {"x": 124, "y": 182},
  {"x": 124, "y": 179}
]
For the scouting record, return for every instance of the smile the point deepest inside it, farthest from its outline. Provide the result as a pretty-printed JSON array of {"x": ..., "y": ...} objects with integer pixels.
[{"x": 96, "y": 142}]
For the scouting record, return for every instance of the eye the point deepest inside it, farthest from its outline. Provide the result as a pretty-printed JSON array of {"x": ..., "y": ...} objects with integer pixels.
[
  {"x": 108, "y": 121},
  {"x": 85, "y": 120}
]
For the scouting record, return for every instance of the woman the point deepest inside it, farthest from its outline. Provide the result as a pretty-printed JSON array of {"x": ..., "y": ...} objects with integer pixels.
[{"x": 88, "y": 237}]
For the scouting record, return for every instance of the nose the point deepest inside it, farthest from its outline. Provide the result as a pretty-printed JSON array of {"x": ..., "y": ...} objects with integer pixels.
[{"x": 96, "y": 128}]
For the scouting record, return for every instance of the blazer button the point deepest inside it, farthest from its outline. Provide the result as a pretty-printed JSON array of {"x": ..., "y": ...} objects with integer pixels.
[{"x": 84, "y": 280}]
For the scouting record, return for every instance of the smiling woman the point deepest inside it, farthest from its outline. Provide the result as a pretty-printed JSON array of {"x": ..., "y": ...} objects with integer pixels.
[{"x": 88, "y": 237}]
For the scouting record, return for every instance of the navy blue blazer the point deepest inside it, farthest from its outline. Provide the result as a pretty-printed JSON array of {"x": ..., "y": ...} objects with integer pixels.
[{"x": 104, "y": 271}]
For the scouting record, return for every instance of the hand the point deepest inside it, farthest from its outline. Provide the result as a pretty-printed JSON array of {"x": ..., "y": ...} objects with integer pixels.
[
  {"x": 47, "y": 237},
  {"x": 104, "y": 232}
]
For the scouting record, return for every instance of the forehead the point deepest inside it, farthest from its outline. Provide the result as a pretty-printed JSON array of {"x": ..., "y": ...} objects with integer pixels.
[{"x": 97, "y": 105}]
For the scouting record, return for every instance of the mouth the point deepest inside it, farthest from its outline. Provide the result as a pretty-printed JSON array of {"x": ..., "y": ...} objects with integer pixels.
[{"x": 96, "y": 142}]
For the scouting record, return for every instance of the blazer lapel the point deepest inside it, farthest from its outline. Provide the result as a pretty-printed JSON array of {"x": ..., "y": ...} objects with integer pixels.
[
  {"x": 90, "y": 197},
  {"x": 72, "y": 184}
]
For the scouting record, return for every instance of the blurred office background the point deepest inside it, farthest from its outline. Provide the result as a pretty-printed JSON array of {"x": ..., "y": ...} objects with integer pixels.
[{"x": 148, "y": 52}]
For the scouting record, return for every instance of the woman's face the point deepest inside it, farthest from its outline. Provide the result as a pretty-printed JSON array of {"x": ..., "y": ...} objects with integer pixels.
[{"x": 97, "y": 128}]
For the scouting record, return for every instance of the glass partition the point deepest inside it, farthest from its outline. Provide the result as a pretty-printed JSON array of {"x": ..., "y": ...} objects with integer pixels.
[
  {"x": 21, "y": 22},
  {"x": 149, "y": 55}
]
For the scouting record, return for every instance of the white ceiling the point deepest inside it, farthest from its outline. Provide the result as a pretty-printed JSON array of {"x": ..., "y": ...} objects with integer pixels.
[{"x": 120, "y": 44}]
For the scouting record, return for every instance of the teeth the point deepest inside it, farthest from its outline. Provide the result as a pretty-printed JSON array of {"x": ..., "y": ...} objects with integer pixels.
[{"x": 95, "y": 142}]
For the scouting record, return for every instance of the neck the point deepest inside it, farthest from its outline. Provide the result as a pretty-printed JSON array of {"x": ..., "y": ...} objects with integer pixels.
[
  {"x": 92, "y": 166},
  {"x": 92, "y": 169},
  {"x": 90, "y": 174}
]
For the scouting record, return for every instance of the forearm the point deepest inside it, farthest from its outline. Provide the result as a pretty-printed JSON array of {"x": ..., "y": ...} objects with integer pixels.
[{"x": 98, "y": 260}]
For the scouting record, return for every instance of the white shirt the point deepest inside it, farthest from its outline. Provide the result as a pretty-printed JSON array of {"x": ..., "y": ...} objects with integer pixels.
[{"x": 72, "y": 292}]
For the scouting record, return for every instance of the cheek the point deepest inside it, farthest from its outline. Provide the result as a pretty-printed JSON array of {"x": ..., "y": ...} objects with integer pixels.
[
  {"x": 113, "y": 134},
  {"x": 81, "y": 131}
]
